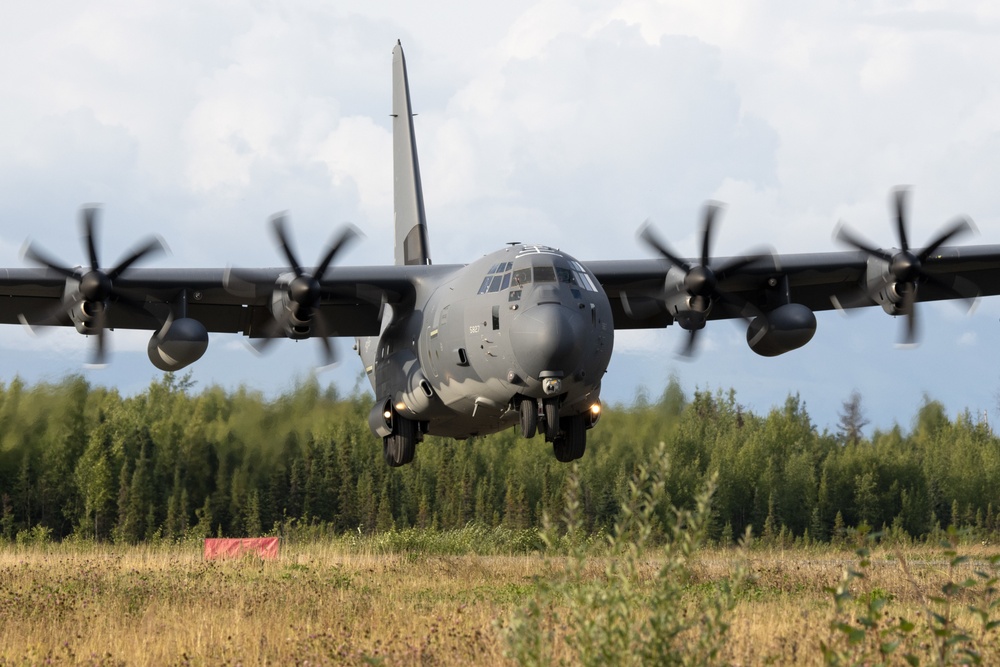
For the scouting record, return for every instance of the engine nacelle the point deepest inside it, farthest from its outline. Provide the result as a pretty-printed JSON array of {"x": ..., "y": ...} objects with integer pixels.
[
  {"x": 84, "y": 315},
  {"x": 180, "y": 343},
  {"x": 784, "y": 329}
]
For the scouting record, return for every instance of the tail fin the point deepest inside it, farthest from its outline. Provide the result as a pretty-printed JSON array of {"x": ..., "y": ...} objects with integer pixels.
[{"x": 408, "y": 195}]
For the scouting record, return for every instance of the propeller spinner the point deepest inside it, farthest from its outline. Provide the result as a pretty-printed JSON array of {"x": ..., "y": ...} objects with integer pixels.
[
  {"x": 90, "y": 292},
  {"x": 905, "y": 268},
  {"x": 704, "y": 283}
]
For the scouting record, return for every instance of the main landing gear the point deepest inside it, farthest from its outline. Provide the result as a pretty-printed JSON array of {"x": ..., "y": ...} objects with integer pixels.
[{"x": 568, "y": 435}]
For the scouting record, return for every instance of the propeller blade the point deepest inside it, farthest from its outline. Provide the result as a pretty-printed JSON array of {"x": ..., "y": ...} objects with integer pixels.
[
  {"x": 329, "y": 356},
  {"x": 278, "y": 225},
  {"x": 349, "y": 234},
  {"x": 273, "y": 330},
  {"x": 687, "y": 352},
  {"x": 647, "y": 234},
  {"x": 739, "y": 306},
  {"x": 151, "y": 247},
  {"x": 88, "y": 224},
  {"x": 963, "y": 290},
  {"x": 960, "y": 226},
  {"x": 846, "y": 236},
  {"x": 910, "y": 311},
  {"x": 240, "y": 283},
  {"x": 738, "y": 263},
  {"x": 707, "y": 225},
  {"x": 900, "y": 195},
  {"x": 52, "y": 316},
  {"x": 99, "y": 358},
  {"x": 32, "y": 253}
]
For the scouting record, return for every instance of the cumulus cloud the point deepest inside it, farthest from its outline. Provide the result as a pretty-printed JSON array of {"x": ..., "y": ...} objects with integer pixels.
[{"x": 556, "y": 122}]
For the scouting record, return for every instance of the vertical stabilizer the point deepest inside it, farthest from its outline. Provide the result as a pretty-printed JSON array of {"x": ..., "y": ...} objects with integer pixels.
[{"x": 408, "y": 195}]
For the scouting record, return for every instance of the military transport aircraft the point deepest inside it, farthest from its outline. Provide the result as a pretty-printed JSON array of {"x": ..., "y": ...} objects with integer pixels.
[{"x": 520, "y": 338}]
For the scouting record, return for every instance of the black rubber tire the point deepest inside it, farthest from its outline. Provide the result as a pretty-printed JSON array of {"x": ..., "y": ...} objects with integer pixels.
[
  {"x": 574, "y": 432},
  {"x": 551, "y": 408},
  {"x": 400, "y": 447},
  {"x": 562, "y": 450},
  {"x": 529, "y": 418}
]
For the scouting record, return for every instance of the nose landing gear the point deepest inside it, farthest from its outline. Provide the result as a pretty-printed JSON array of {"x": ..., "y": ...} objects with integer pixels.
[
  {"x": 571, "y": 443},
  {"x": 568, "y": 435}
]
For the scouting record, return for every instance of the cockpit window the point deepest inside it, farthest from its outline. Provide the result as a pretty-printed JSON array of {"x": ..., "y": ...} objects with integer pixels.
[
  {"x": 545, "y": 274},
  {"x": 565, "y": 276},
  {"x": 577, "y": 275},
  {"x": 570, "y": 273},
  {"x": 498, "y": 278}
]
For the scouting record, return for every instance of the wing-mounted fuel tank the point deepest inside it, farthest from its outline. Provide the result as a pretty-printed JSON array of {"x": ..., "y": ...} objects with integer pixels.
[
  {"x": 180, "y": 343},
  {"x": 786, "y": 328}
]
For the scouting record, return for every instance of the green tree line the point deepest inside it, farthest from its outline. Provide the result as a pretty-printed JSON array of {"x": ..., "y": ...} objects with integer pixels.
[{"x": 171, "y": 463}]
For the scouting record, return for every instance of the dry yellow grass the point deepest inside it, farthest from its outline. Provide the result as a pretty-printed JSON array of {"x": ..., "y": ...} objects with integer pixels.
[{"x": 319, "y": 605}]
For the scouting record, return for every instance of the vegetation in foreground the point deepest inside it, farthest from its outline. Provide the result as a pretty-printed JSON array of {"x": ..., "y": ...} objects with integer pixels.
[{"x": 633, "y": 598}]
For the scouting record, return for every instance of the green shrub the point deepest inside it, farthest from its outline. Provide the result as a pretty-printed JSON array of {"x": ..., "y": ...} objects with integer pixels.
[
  {"x": 640, "y": 610},
  {"x": 864, "y": 632}
]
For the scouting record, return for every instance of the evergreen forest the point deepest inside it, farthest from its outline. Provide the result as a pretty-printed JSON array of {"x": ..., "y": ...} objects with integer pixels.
[{"x": 173, "y": 463}]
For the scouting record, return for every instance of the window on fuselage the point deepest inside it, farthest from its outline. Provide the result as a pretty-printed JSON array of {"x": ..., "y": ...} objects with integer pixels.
[
  {"x": 544, "y": 274},
  {"x": 498, "y": 278}
]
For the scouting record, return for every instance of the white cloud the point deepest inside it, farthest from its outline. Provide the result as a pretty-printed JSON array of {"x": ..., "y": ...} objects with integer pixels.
[{"x": 554, "y": 122}]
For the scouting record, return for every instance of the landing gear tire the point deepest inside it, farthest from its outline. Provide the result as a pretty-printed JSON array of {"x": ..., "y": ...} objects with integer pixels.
[
  {"x": 529, "y": 417},
  {"x": 575, "y": 431},
  {"x": 571, "y": 443},
  {"x": 400, "y": 447},
  {"x": 551, "y": 409},
  {"x": 561, "y": 449}
]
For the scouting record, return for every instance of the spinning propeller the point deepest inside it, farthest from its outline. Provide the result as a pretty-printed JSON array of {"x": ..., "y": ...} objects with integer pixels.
[
  {"x": 303, "y": 293},
  {"x": 905, "y": 268},
  {"x": 90, "y": 291},
  {"x": 705, "y": 284}
]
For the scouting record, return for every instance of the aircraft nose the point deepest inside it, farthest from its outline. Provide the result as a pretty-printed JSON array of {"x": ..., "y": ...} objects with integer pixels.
[{"x": 548, "y": 337}]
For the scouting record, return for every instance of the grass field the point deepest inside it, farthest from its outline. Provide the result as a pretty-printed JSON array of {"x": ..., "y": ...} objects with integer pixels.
[{"x": 79, "y": 603}]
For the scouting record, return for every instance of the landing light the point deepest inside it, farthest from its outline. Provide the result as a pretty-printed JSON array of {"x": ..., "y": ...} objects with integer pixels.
[
  {"x": 387, "y": 415},
  {"x": 400, "y": 406},
  {"x": 593, "y": 414}
]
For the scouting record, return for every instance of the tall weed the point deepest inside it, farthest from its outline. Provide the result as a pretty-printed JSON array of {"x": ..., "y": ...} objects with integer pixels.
[
  {"x": 638, "y": 610},
  {"x": 958, "y": 626}
]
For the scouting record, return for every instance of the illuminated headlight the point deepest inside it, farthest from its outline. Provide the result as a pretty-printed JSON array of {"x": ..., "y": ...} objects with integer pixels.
[
  {"x": 552, "y": 385},
  {"x": 593, "y": 414},
  {"x": 387, "y": 415}
]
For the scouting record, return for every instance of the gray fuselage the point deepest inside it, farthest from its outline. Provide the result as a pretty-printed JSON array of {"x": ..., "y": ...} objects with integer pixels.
[{"x": 525, "y": 321}]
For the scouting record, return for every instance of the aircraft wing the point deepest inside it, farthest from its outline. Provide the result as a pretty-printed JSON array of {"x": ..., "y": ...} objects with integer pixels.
[
  {"x": 223, "y": 300},
  {"x": 635, "y": 287}
]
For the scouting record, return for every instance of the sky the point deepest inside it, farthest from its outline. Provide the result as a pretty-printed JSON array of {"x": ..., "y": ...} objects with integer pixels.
[{"x": 554, "y": 122}]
